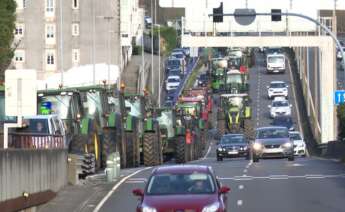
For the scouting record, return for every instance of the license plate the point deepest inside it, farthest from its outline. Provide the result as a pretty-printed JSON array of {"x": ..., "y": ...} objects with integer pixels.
[
  {"x": 276, "y": 70},
  {"x": 233, "y": 152},
  {"x": 273, "y": 150}
]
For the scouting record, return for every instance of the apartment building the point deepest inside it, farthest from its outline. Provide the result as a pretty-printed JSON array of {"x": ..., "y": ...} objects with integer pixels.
[{"x": 56, "y": 35}]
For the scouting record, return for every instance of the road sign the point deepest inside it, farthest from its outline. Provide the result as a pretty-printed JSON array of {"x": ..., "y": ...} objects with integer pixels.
[{"x": 339, "y": 97}]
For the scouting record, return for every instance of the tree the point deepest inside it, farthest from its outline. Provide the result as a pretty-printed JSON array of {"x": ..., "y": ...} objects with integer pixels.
[{"x": 7, "y": 26}]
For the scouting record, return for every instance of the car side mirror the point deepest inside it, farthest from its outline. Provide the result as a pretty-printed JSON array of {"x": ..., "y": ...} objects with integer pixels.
[
  {"x": 224, "y": 190},
  {"x": 138, "y": 192}
]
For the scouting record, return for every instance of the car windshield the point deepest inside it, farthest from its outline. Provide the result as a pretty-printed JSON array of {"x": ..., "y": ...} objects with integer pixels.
[
  {"x": 173, "y": 63},
  {"x": 178, "y": 55},
  {"x": 181, "y": 183},
  {"x": 173, "y": 80},
  {"x": 234, "y": 78},
  {"x": 277, "y": 85},
  {"x": 272, "y": 133},
  {"x": 276, "y": 59},
  {"x": 174, "y": 73},
  {"x": 233, "y": 139},
  {"x": 295, "y": 136},
  {"x": 55, "y": 105},
  {"x": 35, "y": 126},
  {"x": 280, "y": 104}
]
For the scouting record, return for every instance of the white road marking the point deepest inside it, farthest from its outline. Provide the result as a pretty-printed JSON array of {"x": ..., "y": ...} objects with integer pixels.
[
  {"x": 282, "y": 177},
  {"x": 239, "y": 202},
  {"x": 245, "y": 171},
  {"x": 241, "y": 187},
  {"x": 208, "y": 152},
  {"x": 117, "y": 185}
]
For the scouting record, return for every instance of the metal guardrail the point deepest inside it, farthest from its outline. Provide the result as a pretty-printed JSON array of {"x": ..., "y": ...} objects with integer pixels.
[{"x": 35, "y": 141}]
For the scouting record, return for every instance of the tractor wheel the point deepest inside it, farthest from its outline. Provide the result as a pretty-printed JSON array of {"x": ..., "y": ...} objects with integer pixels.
[
  {"x": 181, "y": 149},
  {"x": 151, "y": 149},
  {"x": 249, "y": 130},
  {"x": 221, "y": 127},
  {"x": 130, "y": 149},
  {"x": 108, "y": 144},
  {"x": 77, "y": 144}
]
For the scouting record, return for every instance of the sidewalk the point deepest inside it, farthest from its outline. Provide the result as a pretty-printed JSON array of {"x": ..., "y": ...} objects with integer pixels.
[{"x": 85, "y": 197}]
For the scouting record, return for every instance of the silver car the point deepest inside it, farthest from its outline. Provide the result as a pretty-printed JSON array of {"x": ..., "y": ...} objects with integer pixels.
[{"x": 272, "y": 142}]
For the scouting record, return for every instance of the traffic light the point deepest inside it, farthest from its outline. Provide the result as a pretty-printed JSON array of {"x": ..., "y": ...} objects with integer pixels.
[
  {"x": 219, "y": 10},
  {"x": 276, "y": 15}
]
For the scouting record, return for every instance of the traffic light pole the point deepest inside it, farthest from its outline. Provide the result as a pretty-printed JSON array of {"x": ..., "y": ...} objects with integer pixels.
[{"x": 289, "y": 14}]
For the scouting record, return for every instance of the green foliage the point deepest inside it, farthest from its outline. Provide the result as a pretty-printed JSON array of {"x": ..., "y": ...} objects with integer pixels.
[
  {"x": 169, "y": 38},
  {"x": 7, "y": 26},
  {"x": 341, "y": 119}
]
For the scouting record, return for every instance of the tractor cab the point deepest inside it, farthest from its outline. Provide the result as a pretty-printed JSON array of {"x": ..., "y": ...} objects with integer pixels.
[{"x": 236, "y": 81}]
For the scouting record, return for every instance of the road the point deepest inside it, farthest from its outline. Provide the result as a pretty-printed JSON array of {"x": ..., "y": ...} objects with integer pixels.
[{"x": 306, "y": 184}]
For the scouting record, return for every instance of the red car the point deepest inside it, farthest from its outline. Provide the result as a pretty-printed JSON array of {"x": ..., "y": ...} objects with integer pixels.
[{"x": 183, "y": 188}]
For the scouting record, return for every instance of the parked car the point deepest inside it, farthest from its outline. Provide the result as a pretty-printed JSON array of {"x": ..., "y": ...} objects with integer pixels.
[
  {"x": 275, "y": 63},
  {"x": 175, "y": 72},
  {"x": 283, "y": 121},
  {"x": 203, "y": 80},
  {"x": 300, "y": 148},
  {"x": 182, "y": 188},
  {"x": 233, "y": 145},
  {"x": 148, "y": 21},
  {"x": 173, "y": 63},
  {"x": 277, "y": 88},
  {"x": 271, "y": 142},
  {"x": 172, "y": 82},
  {"x": 280, "y": 108},
  {"x": 339, "y": 55}
]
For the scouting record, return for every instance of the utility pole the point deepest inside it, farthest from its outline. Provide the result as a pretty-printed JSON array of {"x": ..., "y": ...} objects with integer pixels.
[
  {"x": 152, "y": 87},
  {"x": 61, "y": 42},
  {"x": 93, "y": 43}
]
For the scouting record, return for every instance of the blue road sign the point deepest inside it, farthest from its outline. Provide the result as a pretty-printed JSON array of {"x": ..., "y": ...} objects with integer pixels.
[{"x": 339, "y": 97}]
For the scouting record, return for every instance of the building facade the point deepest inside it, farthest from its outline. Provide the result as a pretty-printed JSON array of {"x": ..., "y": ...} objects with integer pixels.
[{"x": 56, "y": 35}]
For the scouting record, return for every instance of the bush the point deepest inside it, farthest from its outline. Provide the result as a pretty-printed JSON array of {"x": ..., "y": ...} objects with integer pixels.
[
  {"x": 137, "y": 50},
  {"x": 168, "y": 38}
]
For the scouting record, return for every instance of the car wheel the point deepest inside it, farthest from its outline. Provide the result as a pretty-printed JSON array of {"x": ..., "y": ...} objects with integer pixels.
[
  {"x": 219, "y": 159},
  {"x": 291, "y": 158},
  {"x": 255, "y": 159}
]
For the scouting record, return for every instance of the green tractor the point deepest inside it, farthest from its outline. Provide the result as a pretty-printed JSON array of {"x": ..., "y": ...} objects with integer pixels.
[
  {"x": 218, "y": 66},
  {"x": 189, "y": 125},
  {"x": 236, "y": 82},
  {"x": 235, "y": 114}
]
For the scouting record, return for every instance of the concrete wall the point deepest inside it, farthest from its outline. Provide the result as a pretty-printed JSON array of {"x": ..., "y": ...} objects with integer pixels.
[{"x": 31, "y": 171}]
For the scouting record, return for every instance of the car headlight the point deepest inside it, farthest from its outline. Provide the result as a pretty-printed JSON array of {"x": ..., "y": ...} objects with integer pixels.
[
  {"x": 257, "y": 146},
  {"x": 148, "y": 209},
  {"x": 220, "y": 149},
  {"x": 245, "y": 148},
  {"x": 287, "y": 145},
  {"x": 211, "y": 208}
]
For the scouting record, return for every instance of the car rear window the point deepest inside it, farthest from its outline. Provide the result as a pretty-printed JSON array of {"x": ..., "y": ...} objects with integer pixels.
[
  {"x": 277, "y": 85},
  {"x": 181, "y": 183}
]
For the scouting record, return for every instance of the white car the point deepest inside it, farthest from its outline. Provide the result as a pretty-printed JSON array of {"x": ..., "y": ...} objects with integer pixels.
[
  {"x": 339, "y": 55},
  {"x": 280, "y": 108},
  {"x": 173, "y": 82},
  {"x": 275, "y": 63},
  {"x": 277, "y": 88},
  {"x": 298, "y": 143}
]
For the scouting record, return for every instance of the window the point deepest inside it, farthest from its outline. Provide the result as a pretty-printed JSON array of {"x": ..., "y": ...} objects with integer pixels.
[
  {"x": 19, "y": 56},
  {"x": 75, "y": 29},
  {"x": 50, "y": 6},
  {"x": 19, "y": 31},
  {"x": 75, "y": 4},
  {"x": 24, "y": 3},
  {"x": 50, "y": 29},
  {"x": 50, "y": 58},
  {"x": 75, "y": 56}
]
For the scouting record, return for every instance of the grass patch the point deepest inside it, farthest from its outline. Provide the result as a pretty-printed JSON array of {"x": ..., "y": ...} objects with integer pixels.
[
  {"x": 194, "y": 75},
  {"x": 168, "y": 38}
]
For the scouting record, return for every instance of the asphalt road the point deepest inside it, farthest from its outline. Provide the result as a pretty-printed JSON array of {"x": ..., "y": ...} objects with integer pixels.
[{"x": 306, "y": 184}]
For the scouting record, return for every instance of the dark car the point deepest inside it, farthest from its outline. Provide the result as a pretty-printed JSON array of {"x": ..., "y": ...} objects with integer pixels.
[
  {"x": 283, "y": 121},
  {"x": 173, "y": 64},
  {"x": 272, "y": 142},
  {"x": 233, "y": 145},
  {"x": 175, "y": 72},
  {"x": 203, "y": 80},
  {"x": 182, "y": 188}
]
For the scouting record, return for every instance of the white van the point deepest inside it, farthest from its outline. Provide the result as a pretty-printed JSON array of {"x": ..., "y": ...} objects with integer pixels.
[{"x": 275, "y": 63}]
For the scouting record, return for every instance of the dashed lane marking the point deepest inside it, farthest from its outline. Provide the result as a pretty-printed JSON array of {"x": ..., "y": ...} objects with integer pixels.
[{"x": 282, "y": 177}]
